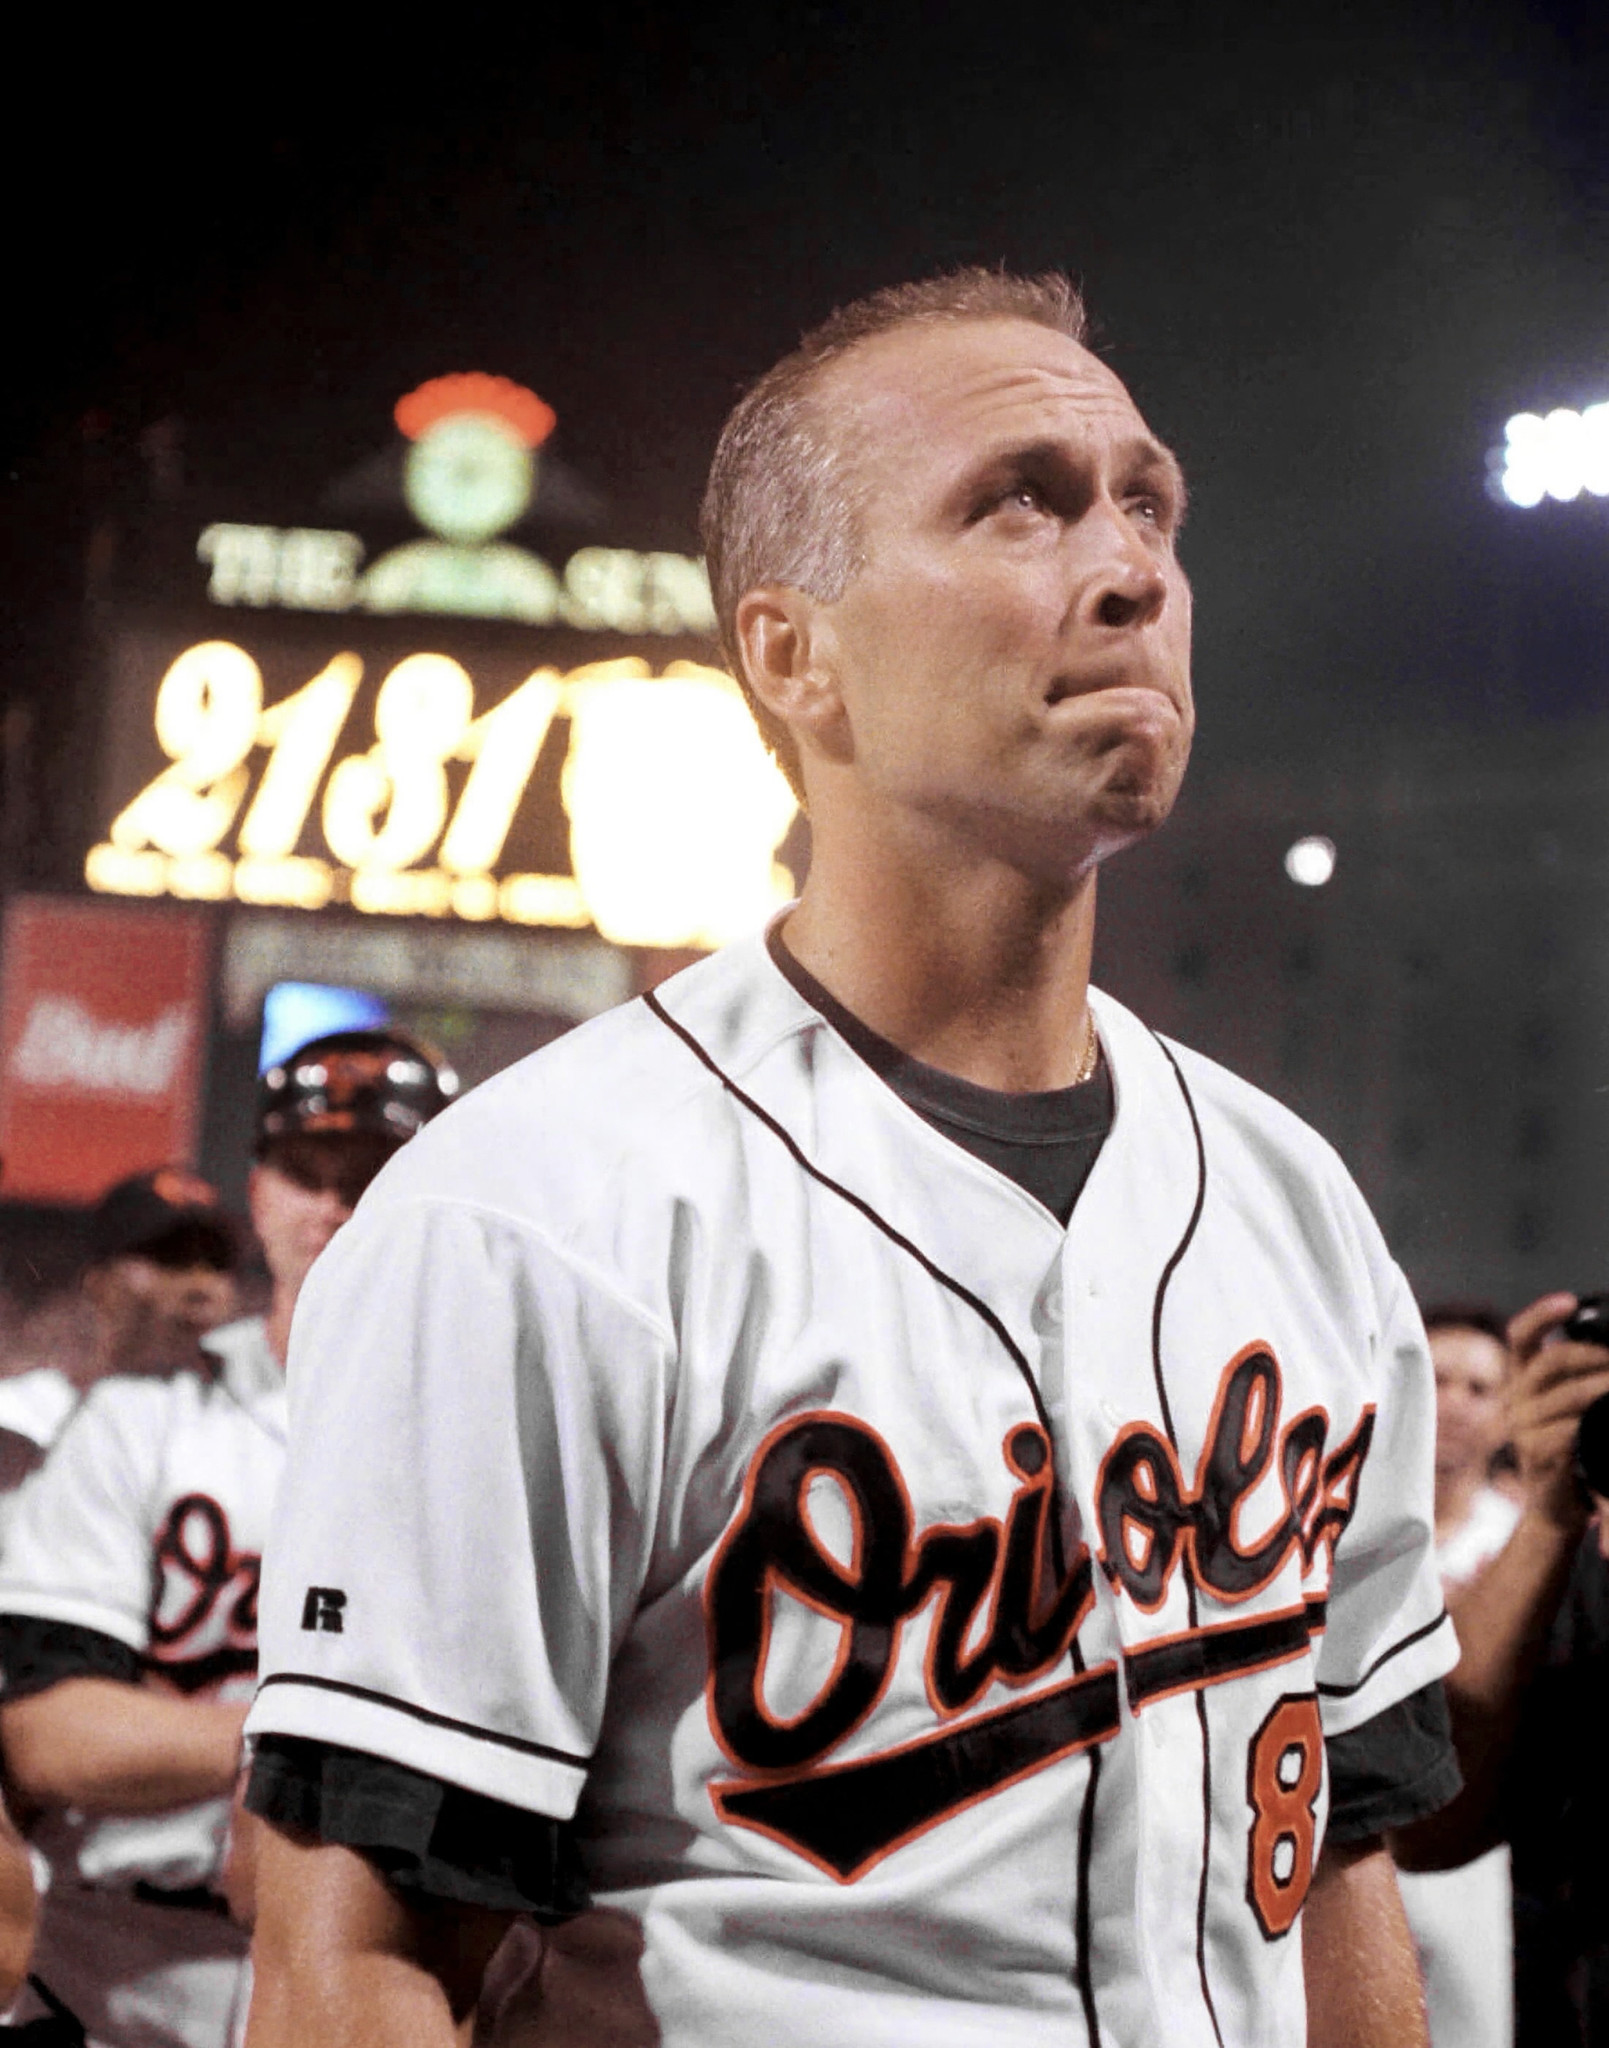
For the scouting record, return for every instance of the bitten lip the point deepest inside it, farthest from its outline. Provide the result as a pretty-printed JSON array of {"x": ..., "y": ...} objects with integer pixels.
[{"x": 1063, "y": 688}]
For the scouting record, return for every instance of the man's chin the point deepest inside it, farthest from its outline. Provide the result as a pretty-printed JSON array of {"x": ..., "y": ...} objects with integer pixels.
[{"x": 1135, "y": 798}]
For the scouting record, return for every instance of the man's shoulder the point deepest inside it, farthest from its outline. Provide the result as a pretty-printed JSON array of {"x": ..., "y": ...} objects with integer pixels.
[
  {"x": 132, "y": 1397},
  {"x": 633, "y": 1099},
  {"x": 1230, "y": 1110},
  {"x": 36, "y": 1404},
  {"x": 114, "y": 1441},
  {"x": 248, "y": 1369},
  {"x": 1260, "y": 1121},
  {"x": 1260, "y": 1156}
]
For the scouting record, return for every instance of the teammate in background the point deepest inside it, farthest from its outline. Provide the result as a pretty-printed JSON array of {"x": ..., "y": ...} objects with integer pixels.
[
  {"x": 128, "y": 1587},
  {"x": 1530, "y": 1699},
  {"x": 907, "y": 1474},
  {"x": 1462, "y": 1920},
  {"x": 1470, "y": 1357},
  {"x": 159, "y": 1276}
]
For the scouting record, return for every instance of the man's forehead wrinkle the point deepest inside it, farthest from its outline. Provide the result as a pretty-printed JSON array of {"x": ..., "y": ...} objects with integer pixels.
[
  {"x": 980, "y": 392},
  {"x": 1013, "y": 400},
  {"x": 909, "y": 388},
  {"x": 956, "y": 347}
]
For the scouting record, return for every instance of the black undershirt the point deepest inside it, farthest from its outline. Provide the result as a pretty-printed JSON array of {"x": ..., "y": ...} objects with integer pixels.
[
  {"x": 442, "y": 1841},
  {"x": 1047, "y": 1143}
]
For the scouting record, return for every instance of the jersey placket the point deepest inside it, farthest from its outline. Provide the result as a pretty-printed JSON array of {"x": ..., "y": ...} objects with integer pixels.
[{"x": 1123, "y": 1245}]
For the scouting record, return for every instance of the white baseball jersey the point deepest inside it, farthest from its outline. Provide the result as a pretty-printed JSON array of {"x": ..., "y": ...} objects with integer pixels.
[
  {"x": 931, "y": 1617},
  {"x": 147, "y": 1523}
]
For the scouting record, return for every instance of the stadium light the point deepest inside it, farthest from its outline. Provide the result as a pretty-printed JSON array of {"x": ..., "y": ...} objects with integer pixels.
[
  {"x": 1311, "y": 861},
  {"x": 1557, "y": 457}
]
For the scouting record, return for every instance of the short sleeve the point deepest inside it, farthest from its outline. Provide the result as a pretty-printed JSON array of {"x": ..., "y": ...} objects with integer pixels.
[
  {"x": 425, "y": 1837},
  {"x": 1387, "y": 1632},
  {"x": 1392, "y": 1770},
  {"x": 79, "y": 1546},
  {"x": 469, "y": 1501},
  {"x": 35, "y": 1655}
]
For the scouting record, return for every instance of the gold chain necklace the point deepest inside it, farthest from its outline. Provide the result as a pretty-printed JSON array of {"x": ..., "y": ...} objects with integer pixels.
[{"x": 1092, "y": 1051}]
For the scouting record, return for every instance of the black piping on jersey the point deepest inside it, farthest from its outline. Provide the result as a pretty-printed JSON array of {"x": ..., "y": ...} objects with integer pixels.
[
  {"x": 858, "y": 1202},
  {"x": 982, "y": 1310},
  {"x": 1081, "y": 1934},
  {"x": 386, "y": 1699},
  {"x": 1168, "y": 1272},
  {"x": 1343, "y": 1692}
]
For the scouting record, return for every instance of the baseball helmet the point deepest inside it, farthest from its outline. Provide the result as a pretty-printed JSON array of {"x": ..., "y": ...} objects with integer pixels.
[{"x": 383, "y": 1084}]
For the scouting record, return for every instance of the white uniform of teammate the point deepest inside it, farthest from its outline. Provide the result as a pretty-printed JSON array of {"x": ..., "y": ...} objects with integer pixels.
[
  {"x": 147, "y": 1525},
  {"x": 1463, "y": 1920},
  {"x": 704, "y": 1391}
]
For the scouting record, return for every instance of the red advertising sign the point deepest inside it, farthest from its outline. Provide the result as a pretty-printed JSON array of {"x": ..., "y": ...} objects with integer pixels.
[{"x": 102, "y": 1020}]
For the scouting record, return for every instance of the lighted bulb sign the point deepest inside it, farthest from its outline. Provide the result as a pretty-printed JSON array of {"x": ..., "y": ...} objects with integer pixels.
[
  {"x": 674, "y": 809},
  {"x": 470, "y": 474},
  {"x": 1558, "y": 456}
]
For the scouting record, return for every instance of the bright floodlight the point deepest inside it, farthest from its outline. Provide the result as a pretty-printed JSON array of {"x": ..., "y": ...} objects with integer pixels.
[
  {"x": 1557, "y": 457},
  {"x": 1311, "y": 861}
]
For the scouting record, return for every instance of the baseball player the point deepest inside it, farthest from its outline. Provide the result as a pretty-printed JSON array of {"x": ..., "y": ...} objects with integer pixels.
[
  {"x": 918, "y": 1494},
  {"x": 159, "y": 1276},
  {"x": 128, "y": 1587}
]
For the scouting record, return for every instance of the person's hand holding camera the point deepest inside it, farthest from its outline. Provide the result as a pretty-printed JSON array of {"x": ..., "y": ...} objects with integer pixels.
[
  {"x": 1560, "y": 1348},
  {"x": 1561, "y": 1366}
]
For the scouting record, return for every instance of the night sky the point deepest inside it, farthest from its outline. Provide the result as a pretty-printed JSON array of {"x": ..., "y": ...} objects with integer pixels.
[{"x": 1331, "y": 249}]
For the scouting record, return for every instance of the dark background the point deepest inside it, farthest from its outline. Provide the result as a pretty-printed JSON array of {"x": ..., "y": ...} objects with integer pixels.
[{"x": 1332, "y": 248}]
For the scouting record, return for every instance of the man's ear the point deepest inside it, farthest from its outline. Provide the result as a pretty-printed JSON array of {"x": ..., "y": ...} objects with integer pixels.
[{"x": 789, "y": 652}]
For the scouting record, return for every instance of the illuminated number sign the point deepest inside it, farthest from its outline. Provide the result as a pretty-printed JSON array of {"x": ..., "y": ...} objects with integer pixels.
[{"x": 642, "y": 804}]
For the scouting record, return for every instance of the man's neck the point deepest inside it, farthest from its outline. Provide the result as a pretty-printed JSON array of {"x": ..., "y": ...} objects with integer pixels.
[
  {"x": 277, "y": 1322},
  {"x": 980, "y": 972}
]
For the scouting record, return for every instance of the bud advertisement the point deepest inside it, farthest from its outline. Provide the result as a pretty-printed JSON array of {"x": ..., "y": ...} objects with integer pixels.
[{"x": 102, "y": 1022}]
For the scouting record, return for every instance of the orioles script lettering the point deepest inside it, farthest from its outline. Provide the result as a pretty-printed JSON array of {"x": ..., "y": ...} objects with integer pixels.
[{"x": 1007, "y": 1606}]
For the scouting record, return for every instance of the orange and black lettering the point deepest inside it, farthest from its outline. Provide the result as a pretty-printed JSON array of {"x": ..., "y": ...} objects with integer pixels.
[
  {"x": 1140, "y": 1490},
  {"x": 196, "y": 1568},
  {"x": 1033, "y": 1617},
  {"x": 1003, "y": 1613},
  {"x": 772, "y": 1543},
  {"x": 1284, "y": 1776}
]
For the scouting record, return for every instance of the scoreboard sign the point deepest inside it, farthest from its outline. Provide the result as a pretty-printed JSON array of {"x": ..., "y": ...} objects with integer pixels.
[
  {"x": 308, "y": 775},
  {"x": 408, "y": 740}
]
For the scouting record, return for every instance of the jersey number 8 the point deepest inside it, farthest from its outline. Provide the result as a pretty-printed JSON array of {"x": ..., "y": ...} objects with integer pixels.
[{"x": 1284, "y": 1776}]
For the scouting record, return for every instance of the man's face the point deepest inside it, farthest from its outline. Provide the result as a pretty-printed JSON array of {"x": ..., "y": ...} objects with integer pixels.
[
  {"x": 1014, "y": 655},
  {"x": 1471, "y": 1400},
  {"x": 152, "y": 1313},
  {"x": 304, "y": 1190}
]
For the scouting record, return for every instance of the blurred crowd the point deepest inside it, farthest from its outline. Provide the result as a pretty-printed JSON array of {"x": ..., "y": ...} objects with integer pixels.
[
  {"x": 142, "y": 1437},
  {"x": 142, "y": 1428}
]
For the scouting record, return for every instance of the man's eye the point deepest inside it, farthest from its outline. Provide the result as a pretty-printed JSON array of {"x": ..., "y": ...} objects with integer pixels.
[{"x": 1024, "y": 498}]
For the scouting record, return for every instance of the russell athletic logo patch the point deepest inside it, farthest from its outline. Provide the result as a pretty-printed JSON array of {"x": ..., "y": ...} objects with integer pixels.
[
  {"x": 1006, "y": 1606},
  {"x": 324, "y": 1609}
]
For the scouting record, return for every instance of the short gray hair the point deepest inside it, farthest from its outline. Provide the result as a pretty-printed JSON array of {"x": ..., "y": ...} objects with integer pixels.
[{"x": 781, "y": 505}]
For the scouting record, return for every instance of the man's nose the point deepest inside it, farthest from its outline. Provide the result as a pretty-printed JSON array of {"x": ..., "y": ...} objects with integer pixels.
[
  {"x": 1127, "y": 588},
  {"x": 199, "y": 1293}
]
